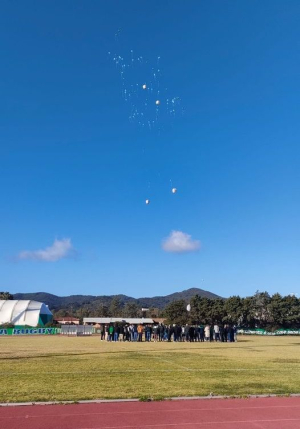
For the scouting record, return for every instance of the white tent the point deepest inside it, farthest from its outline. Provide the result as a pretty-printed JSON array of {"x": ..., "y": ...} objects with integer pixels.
[{"x": 22, "y": 312}]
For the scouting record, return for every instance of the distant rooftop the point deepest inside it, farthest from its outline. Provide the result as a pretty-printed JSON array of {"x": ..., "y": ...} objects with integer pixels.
[
  {"x": 107, "y": 320},
  {"x": 66, "y": 319}
]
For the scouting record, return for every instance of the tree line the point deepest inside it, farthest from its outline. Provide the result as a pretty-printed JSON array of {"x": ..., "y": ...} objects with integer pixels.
[
  {"x": 6, "y": 295},
  {"x": 115, "y": 309},
  {"x": 258, "y": 311}
]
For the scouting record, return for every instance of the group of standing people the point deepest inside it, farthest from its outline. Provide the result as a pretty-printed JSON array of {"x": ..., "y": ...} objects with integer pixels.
[{"x": 161, "y": 332}]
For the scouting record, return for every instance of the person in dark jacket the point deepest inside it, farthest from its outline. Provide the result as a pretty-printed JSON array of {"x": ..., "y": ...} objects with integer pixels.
[
  {"x": 159, "y": 329},
  {"x": 187, "y": 330},
  {"x": 170, "y": 332},
  {"x": 211, "y": 333},
  {"x": 231, "y": 334},
  {"x": 135, "y": 333},
  {"x": 201, "y": 332},
  {"x": 178, "y": 332},
  {"x": 124, "y": 332},
  {"x": 222, "y": 334},
  {"x": 166, "y": 332},
  {"x": 116, "y": 333},
  {"x": 197, "y": 333},
  {"x": 148, "y": 332},
  {"x": 155, "y": 333},
  {"x": 225, "y": 333},
  {"x": 102, "y": 332},
  {"x": 130, "y": 332},
  {"x": 191, "y": 334}
]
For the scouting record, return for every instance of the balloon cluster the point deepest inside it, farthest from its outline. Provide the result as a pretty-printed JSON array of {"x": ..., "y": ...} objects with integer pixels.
[
  {"x": 174, "y": 191},
  {"x": 150, "y": 104}
]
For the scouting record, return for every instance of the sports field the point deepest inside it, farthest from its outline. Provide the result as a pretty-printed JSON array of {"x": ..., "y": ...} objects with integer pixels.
[{"x": 48, "y": 368}]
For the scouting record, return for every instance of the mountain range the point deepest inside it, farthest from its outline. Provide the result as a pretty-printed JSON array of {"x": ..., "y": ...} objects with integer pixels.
[{"x": 76, "y": 301}]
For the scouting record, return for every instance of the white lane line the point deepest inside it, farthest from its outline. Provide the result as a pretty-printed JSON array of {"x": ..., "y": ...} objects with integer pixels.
[
  {"x": 165, "y": 410},
  {"x": 194, "y": 424},
  {"x": 183, "y": 368}
]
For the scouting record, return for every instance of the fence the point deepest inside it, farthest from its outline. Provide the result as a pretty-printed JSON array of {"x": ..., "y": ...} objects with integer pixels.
[
  {"x": 264, "y": 332},
  {"x": 76, "y": 330}
]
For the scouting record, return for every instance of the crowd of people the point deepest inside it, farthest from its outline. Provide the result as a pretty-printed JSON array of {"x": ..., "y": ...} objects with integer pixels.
[{"x": 160, "y": 332}]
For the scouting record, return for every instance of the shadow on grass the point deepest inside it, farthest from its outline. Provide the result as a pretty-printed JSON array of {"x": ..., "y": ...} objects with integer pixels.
[
  {"x": 108, "y": 352},
  {"x": 221, "y": 346}
]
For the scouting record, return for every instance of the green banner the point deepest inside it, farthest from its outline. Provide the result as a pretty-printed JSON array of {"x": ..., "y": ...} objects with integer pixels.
[
  {"x": 29, "y": 331},
  {"x": 264, "y": 332}
]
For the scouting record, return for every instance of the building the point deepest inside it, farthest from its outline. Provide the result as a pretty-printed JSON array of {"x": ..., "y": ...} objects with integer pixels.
[
  {"x": 159, "y": 320},
  {"x": 108, "y": 320},
  {"x": 24, "y": 313},
  {"x": 67, "y": 320}
]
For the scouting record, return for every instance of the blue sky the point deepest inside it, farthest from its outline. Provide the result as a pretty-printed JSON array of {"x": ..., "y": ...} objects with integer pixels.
[{"x": 73, "y": 166}]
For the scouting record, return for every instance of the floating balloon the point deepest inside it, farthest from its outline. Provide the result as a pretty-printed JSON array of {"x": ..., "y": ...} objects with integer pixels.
[
  {"x": 174, "y": 190},
  {"x": 147, "y": 202},
  {"x": 144, "y": 86},
  {"x": 188, "y": 307},
  {"x": 157, "y": 102}
]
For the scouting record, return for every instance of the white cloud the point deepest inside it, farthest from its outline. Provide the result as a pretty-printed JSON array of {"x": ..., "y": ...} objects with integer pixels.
[
  {"x": 180, "y": 242},
  {"x": 60, "y": 249}
]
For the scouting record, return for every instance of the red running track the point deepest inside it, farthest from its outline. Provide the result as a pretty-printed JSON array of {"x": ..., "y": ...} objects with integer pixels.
[{"x": 261, "y": 413}]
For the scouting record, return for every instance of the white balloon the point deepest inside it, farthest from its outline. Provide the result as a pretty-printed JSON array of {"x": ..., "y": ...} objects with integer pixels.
[
  {"x": 157, "y": 102},
  {"x": 147, "y": 202},
  {"x": 144, "y": 86},
  {"x": 174, "y": 190},
  {"x": 188, "y": 307}
]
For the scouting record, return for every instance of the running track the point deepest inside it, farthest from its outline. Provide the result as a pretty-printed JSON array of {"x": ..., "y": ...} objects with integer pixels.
[{"x": 262, "y": 413}]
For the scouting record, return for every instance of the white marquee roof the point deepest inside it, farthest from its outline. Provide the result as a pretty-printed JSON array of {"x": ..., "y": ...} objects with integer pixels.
[
  {"x": 22, "y": 312},
  {"x": 107, "y": 320}
]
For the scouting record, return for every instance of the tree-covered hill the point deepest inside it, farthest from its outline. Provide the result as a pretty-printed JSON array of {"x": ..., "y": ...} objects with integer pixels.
[{"x": 75, "y": 301}]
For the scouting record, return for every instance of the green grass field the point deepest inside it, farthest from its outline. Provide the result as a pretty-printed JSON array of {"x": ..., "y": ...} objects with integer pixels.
[{"x": 64, "y": 368}]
